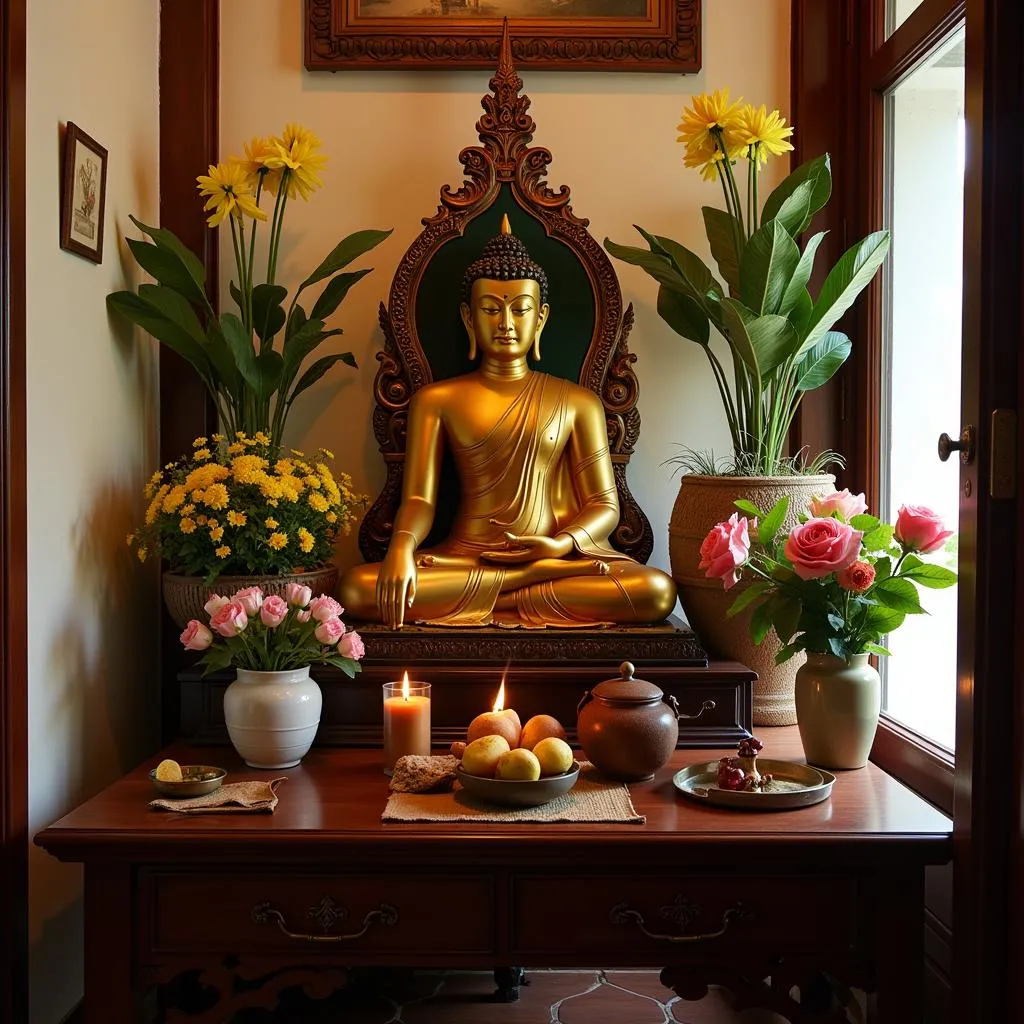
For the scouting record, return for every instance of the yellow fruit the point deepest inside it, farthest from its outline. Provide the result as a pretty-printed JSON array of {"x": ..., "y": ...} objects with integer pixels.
[
  {"x": 481, "y": 756},
  {"x": 168, "y": 771},
  {"x": 538, "y": 728},
  {"x": 554, "y": 755},
  {"x": 520, "y": 764},
  {"x": 495, "y": 723}
]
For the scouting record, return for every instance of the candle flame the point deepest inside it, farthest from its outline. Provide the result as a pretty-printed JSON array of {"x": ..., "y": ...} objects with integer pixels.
[
  {"x": 405, "y": 685},
  {"x": 499, "y": 701}
]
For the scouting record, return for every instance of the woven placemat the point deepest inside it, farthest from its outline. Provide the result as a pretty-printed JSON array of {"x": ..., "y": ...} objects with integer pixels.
[
  {"x": 239, "y": 797},
  {"x": 592, "y": 799}
]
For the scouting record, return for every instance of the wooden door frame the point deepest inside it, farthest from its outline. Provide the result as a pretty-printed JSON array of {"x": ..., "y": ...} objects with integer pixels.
[{"x": 13, "y": 539}]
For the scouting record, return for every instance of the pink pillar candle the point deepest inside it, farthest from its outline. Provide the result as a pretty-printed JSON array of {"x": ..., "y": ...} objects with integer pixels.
[{"x": 406, "y": 721}]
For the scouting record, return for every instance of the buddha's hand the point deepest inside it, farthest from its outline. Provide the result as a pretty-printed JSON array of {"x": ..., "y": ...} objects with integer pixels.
[
  {"x": 520, "y": 548},
  {"x": 396, "y": 584}
]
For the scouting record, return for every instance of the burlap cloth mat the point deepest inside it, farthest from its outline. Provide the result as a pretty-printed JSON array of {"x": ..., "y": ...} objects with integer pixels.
[
  {"x": 592, "y": 799},
  {"x": 255, "y": 797}
]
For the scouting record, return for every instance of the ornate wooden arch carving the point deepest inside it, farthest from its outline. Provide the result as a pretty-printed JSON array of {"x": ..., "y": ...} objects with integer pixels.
[{"x": 505, "y": 157}]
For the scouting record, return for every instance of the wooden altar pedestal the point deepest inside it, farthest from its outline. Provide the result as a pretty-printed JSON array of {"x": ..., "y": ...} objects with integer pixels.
[{"x": 545, "y": 672}]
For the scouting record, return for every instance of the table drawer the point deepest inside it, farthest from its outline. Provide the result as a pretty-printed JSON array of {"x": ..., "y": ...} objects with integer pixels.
[
  {"x": 635, "y": 917},
  {"x": 253, "y": 912}
]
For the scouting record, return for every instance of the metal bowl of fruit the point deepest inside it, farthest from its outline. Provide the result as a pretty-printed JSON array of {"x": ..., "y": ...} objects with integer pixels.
[
  {"x": 519, "y": 792},
  {"x": 185, "y": 780}
]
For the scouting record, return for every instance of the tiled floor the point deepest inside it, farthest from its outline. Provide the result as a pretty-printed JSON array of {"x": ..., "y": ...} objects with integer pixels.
[{"x": 551, "y": 997}]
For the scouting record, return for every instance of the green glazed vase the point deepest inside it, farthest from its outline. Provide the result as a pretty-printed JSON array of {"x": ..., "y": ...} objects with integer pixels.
[{"x": 837, "y": 706}]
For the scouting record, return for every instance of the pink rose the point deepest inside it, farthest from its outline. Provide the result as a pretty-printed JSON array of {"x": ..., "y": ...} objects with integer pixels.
[
  {"x": 857, "y": 577},
  {"x": 196, "y": 637},
  {"x": 330, "y": 631},
  {"x": 351, "y": 646},
  {"x": 297, "y": 594},
  {"x": 230, "y": 619},
  {"x": 724, "y": 549},
  {"x": 215, "y": 603},
  {"x": 250, "y": 598},
  {"x": 323, "y": 608},
  {"x": 302, "y": 616},
  {"x": 841, "y": 503},
  {"x": 822, "y": 546},
  {"x": 273, "y": 611},
  {"x": 920, "y": 529}
]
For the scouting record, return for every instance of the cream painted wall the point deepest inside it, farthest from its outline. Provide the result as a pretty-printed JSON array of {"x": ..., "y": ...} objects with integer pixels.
[
  {"x": 393, "y": 139},
  {"x": 92, "y": 410}
]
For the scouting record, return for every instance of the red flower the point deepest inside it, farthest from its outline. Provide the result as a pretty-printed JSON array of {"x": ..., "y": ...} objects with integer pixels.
[{"x": 857, "y": 577}]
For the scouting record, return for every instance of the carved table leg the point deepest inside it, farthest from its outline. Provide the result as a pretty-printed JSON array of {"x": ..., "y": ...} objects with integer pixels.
[
  {"x": 508, "y": 980},
  {"x": 109, "y": 990}
]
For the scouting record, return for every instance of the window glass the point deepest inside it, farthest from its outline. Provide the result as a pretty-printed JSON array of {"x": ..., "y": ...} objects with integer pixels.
[{"x": 921, "y": 360}]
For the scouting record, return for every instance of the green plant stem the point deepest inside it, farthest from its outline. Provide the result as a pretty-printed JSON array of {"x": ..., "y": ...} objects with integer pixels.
[
  {"x": 252, "y": 242},
  {"x": 278, "y": 222},
  {"x": 756, "y": 216},
  {"x": 735, "y": 194},
  {"x": 751, "y": 173},
  {"x": 723, "y": 390}
]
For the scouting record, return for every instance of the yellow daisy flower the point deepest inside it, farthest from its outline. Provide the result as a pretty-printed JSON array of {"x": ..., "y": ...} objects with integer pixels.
[
  {"x": 318, "y": 501},
  {"x": 143, "y": 551},
  {"x": 236, "y": 448},
  {"x": 237, "y": 518},
  {"x": 216, "y": 438},
  {"x": 187, "y": 510},
  {"x": 278, "y": 540},
  {"x": 217, "y": 533},
  {"x": 708, "y": 158},
  {"x": 260, "y": 438},
  {"x": 216, "y": 496},
  {"x": 228, "y": 193},
  {"x": 331, "y": 517},
  {"x": 257, "y": 170},
  {"x": 223, "y": 551},
  {"x": 187, "y": 525},
  {"x": 305, "y": 540},
  {"x": 707, "y": 115},
  {"x": 297, "y": 154},
  {"x": 760, "y": 134},
  {"x": 270, "y": 523},
  {"x": 199, "y": 442},
  {"x": 201, "y": 454}
]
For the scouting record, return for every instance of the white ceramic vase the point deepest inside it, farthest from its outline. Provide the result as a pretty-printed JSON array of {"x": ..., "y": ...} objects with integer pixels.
[
  {"x": 272, "y": 717},
  {"x": 837, "y": 706}
]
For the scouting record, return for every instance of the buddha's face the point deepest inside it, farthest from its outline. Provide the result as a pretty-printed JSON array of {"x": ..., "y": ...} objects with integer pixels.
[{"x": 504, "y": 318}]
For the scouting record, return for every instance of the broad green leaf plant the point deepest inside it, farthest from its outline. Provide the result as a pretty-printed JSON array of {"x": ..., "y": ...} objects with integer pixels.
[
  {"x": 780, "y": 338},
  {"x": 252, "y": 379}
]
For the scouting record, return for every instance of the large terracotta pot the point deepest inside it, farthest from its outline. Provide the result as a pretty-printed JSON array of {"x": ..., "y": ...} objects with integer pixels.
[
  {"x": 186, "y": 595},
  {"x": 837, "y": 705},
  {"x": 703, "y": 501}
]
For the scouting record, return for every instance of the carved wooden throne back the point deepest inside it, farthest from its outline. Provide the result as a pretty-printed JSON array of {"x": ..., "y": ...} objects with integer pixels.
[{"x": 585, "y": 338}]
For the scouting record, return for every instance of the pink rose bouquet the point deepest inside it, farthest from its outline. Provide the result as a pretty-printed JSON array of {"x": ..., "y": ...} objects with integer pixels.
[
  {"x": 271, "y": 633},
  {"x": 837, "y": 583}
]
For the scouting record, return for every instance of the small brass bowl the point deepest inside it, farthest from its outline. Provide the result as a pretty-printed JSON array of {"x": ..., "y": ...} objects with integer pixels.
[{"x": 196, "y": 780}]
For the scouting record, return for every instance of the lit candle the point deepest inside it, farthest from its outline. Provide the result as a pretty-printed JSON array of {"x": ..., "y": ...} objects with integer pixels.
[
  {"x": 500, "y": 721},
  {"x": 406, "y": 720}
]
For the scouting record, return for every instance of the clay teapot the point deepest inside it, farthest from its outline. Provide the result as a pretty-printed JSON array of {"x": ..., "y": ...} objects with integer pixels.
[{"x": 628, "y": 728}]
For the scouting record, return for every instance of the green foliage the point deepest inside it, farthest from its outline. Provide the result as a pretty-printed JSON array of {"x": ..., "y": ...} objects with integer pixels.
[
  {"x": 253, "y": 379},
  {"x": 781, "y": 338}
]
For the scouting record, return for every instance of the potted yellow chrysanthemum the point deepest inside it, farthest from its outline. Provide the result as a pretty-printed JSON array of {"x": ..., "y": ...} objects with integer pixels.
[
  {"x": 780, "y": 341},
  {"x": 252, "y": 382}
]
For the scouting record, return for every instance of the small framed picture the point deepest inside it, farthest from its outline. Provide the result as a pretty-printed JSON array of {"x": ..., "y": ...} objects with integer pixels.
[{"x": 83, "y": 194}]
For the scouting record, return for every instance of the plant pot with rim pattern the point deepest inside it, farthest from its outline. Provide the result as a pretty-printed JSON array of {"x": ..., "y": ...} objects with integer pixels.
[
  {"x": 702, "y": 502},
  {"x": 185, "y": 596}
]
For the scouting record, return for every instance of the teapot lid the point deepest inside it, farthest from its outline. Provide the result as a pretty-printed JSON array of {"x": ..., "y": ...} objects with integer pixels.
[{"x": 627, "y": 689}]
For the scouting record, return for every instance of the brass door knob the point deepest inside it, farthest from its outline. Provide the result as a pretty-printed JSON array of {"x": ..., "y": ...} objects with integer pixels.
[{"x": 965, "y": 446}]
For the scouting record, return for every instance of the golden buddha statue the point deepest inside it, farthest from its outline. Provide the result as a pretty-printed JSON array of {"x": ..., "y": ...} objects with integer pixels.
[{"x": 530, "y": 543}]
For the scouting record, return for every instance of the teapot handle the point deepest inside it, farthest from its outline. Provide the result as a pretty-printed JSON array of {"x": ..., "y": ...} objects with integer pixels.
[
  {"x": 584, "y": 700},
  {"x": 708, "y": 705}
]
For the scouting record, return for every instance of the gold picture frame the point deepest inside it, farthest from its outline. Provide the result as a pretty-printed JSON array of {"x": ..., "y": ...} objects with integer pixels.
[
  {"x": 83, "y": 194},
  {"x": 558, "y": 35}
]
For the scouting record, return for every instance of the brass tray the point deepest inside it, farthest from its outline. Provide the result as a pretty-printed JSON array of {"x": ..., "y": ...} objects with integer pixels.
[{"x": 793, "y": 785}]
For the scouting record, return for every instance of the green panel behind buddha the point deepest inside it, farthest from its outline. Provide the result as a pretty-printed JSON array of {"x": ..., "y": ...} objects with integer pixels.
[{"x": 570, "y": 326}]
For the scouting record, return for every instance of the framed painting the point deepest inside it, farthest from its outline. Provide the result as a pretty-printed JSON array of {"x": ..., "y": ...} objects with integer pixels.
[
  {"x": 560, "y": 35},
  {"x": 83, "y": 194}
]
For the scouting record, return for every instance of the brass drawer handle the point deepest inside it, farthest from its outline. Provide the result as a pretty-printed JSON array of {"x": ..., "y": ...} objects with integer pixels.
[
  {"x": 622, "y": 914},
  {"x": 262, "y": 913}
]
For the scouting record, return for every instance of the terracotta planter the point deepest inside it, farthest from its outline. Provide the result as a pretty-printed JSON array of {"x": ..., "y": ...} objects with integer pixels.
[
  {"x": 837, "y": 706},
  {"x": 186, "y": 595},
  {"x": 703, "y": 501}
]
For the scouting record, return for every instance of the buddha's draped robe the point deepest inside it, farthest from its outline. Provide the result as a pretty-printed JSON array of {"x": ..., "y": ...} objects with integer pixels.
[{"x": 524, "y": 477}]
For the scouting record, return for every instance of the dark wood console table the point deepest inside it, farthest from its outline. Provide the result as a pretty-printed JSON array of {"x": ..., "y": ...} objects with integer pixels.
[{"x": 837, "y": 887}]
